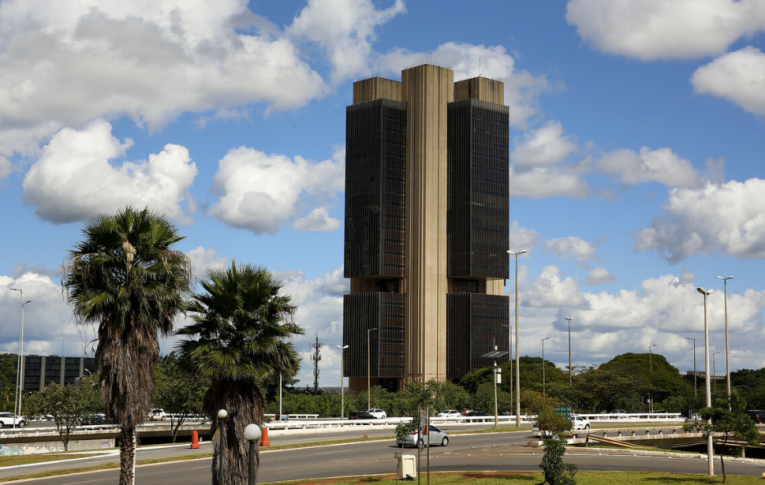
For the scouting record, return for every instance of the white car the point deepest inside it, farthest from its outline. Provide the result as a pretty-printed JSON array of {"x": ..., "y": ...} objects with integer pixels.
[
  {"x": 579, "y": 423},
  {"x": 377, "y": 413},
  {"x": 7, "y": 420},
  {"x": 449, "y": 413},
  {"x": 157, "y": 415}
]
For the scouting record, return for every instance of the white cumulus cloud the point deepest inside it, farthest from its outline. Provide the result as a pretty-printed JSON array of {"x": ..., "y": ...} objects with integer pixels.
[
  {"x": 261, "y": 192},
  {"x": 345, "y": 30},
  {"x": 598, "y": 275},
  {"x": 737, "y": 76},
  {"x": 204, "y": 259},
  {"x": 74, "y": 179},
  {"x": 661, "y": 165},
  {"x": 544, "y": 146},
  {"x": 571, "y": 247},
  {"x": 521, "y": 87},
  {"x": 549, "y": 290},
  {"x": 728, "y": 218},
  {"x": 665, "y": 29}
]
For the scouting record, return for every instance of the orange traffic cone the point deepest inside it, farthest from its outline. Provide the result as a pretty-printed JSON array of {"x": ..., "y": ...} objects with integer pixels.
[
  {"x": 264, "y": 438},
  {"x": 194, "y": 440}
]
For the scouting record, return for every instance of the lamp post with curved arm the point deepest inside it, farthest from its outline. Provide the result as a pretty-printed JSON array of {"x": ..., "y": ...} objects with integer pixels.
[
  {"x": 517, "y": 347},
  {"x": 727, "y": 347},
  {"x": 710, "y": 446}
]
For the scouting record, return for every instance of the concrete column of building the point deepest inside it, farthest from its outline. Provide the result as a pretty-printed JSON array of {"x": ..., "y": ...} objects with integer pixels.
[
  {"x": 63, "y": 370},
  {"x": 426, "y": 89},
  {"x": 42, "y": 372}
]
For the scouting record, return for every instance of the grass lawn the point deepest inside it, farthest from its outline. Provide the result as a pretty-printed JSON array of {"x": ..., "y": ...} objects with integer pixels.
[
  {"x": 528, "y": 478},
  {"x": 14, "y": 460}
]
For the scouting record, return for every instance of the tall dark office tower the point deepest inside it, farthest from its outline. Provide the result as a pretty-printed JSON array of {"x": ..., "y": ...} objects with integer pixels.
[{"x": 426, "y": 227}]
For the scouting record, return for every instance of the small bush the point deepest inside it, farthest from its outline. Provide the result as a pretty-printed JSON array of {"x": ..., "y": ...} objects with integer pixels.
[{"x": 556, "y": 472}]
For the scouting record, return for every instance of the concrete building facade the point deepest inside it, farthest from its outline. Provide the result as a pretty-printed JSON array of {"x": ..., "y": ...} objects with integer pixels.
[
  {"x": 41, "y": 370},
  {"x": 426, "y": 227}
]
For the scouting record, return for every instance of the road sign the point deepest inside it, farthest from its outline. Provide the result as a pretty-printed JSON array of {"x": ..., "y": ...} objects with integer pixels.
[{"x": 564, "y": 410}]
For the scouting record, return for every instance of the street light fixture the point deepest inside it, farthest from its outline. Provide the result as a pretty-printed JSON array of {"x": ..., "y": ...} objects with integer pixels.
[
  {"x": 221, "y": 429},
  {"x": 544, "y": 394},
  {"x": 650, "y": 365},
  {"x": 369, "y": 370},
  {"x": 497, "y": 375},
  {"x": 714, "y": 370},
  {"x": 517, "y": 347},
  {"x": 727, "y": 347},
  {"x": 252, "y": 434},
  {"x": 570, "y": 381},
  {"x": 695, "y": 389},
  {"x": 710, "y": 447},
  {"x": 342, "y": 381}
]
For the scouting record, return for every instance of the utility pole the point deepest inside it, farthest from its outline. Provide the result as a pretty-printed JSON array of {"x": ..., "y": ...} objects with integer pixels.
[
  {"x": 650, "y": 365},
  {"x": 570, "y": 380},
  {"x": 727, "y": 347},
  {"x": 517, "y": 347},
  {"x": 497, "y": 371},
  {"x": 342, "y": 381},
  {"x": 21, "y": 351},
  {"x": 695, "y": 389},
  {"x": 714, "y": 370},
  {"x": 710, "y": 446},
  {"x": 316, "y": 357}
]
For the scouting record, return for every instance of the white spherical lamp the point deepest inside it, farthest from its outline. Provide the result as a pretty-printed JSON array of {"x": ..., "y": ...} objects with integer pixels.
[
  {"x": 252, "y": 432},
  {"x": 222, "y": 414}
]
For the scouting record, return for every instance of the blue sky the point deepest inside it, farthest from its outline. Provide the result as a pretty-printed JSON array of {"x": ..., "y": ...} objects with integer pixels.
[{"x": 637, "y": 138}]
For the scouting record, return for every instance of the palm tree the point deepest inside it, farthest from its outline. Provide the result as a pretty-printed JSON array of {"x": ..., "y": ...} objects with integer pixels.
[
  {"x": 239, "y": 341},
  {"x": 125, "y": 278}
]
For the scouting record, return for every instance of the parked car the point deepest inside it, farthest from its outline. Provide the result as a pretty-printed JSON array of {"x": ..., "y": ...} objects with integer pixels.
[
  {"x": 7, "y": 420},
  {"x": 157, "y": 415},
  {"x": 757, "y": 415},
  {"x": 449, "y": 413},
  {"x": 437, "y": 437},
  {"x": 361, "y": 415},
  {"x": 474, "y": 414},
  {"x": 377, "y": 413},
  {"x": 93, "y": 420}
]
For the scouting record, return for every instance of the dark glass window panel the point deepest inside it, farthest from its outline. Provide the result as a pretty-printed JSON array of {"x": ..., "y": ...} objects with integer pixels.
[{"x": 384, "y": 311}]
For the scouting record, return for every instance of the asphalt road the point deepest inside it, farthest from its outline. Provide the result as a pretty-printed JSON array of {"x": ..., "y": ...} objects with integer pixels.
[{"x": 503, "y": 451}]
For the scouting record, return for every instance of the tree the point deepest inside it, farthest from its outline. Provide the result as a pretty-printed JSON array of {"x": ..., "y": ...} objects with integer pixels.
[
  {"x": 179, "y": 391},
  {"x": 126, "y": 278},
  {"x": 733, "y": 423},
  {"x": 67, "y": 404},
  {"x": 555, "y": 471},
  {"x": 238, "y": 340},
  {"x": 7, "y": 381}
]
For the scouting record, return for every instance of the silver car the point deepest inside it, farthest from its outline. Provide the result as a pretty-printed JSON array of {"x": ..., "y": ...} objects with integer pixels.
[{"x": 437, "y": 437}]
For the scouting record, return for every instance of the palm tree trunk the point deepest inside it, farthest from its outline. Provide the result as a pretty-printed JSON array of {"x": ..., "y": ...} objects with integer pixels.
[
  {"x": 127, "y": 456},
  {"x": 242, "y": 401}
]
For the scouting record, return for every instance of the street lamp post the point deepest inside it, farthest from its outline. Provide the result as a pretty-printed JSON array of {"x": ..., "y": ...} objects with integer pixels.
[
  {"x": 517, "y": 347},
  {"x": 544, "y": 394},
  {"x": 710, "y": 446},
  {"x": 20, "y": 351},
  {"x": 221, "y": 429},
  {"x": 342, "y": 381},
  {"x": 570, "y": 381},
  {"x": 714, "y": 370},
  {"x": 497, "y": 375},
  {"x": 510, "y": 332},
  {"x": 727, "y": 347},
  {"x": 252, "y": 434},
  {"x": 650, "y": 366},
  {"x": 369, "y": 370},
  {"x": 695, "y": 389}
]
